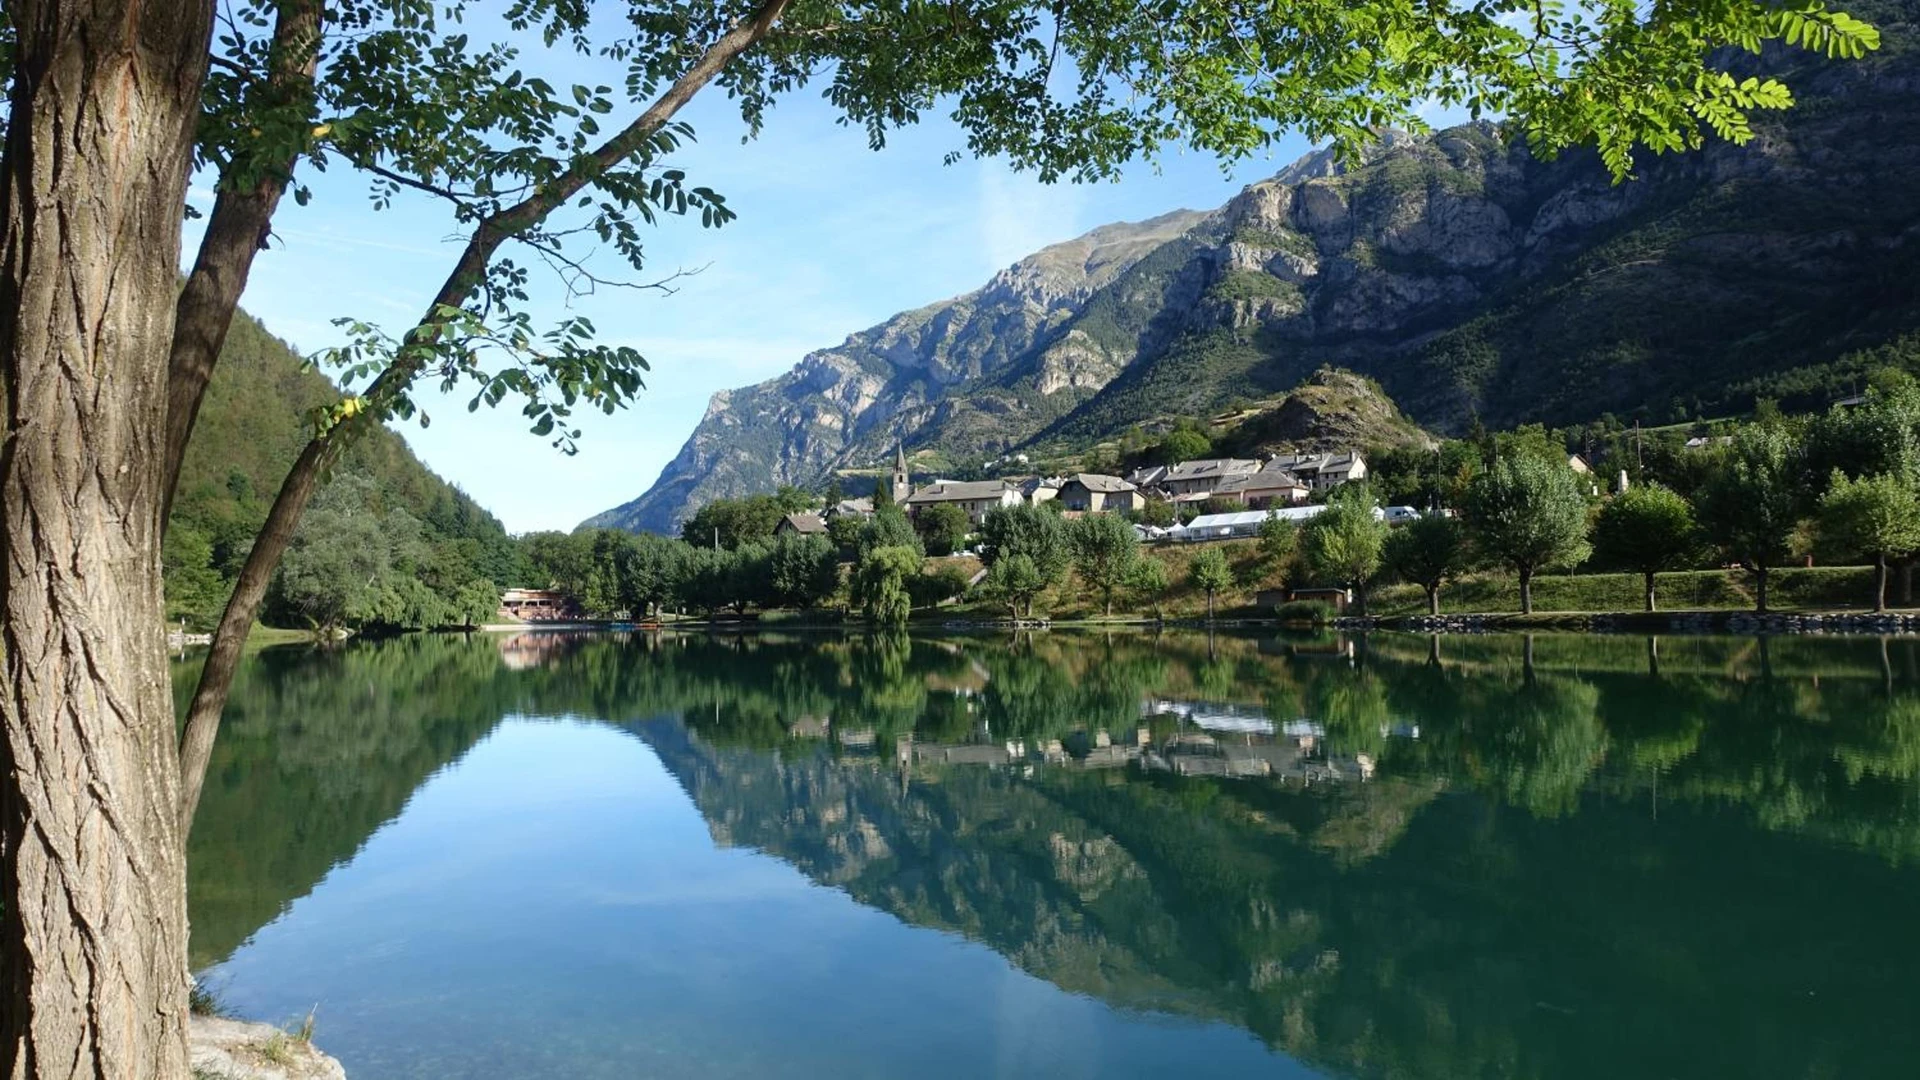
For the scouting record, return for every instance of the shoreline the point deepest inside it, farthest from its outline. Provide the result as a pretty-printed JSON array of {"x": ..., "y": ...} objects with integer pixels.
[{"x": 1740, "y": 623}]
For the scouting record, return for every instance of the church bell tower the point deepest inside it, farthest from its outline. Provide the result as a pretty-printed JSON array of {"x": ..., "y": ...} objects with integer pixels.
[{"x": 902, "y": 484}]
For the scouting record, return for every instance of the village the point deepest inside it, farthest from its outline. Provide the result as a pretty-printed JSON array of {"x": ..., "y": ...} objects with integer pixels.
[{"x": 1279, "y": 486}]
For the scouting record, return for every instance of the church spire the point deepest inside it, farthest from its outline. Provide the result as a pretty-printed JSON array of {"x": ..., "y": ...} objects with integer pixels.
[{"x": 902, "y": 480}]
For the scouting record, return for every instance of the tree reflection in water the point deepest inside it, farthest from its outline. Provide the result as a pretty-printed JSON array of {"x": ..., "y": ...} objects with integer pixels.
[{"x": 1570, "y": 856}]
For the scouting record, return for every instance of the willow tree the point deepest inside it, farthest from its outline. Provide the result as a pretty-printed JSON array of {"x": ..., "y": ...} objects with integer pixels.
[{"x": 106, "y": 358}]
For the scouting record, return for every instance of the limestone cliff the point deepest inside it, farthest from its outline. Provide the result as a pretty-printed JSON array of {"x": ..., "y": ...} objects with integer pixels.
[
  {"x": 1465, "y": 276},
  {"x": 847, "y": 403}
]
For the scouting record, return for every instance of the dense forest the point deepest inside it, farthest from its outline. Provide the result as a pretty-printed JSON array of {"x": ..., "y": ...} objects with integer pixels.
[{"x": 386, "y": 544}]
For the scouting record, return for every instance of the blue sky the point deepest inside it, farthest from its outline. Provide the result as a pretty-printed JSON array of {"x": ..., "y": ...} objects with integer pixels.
[{"x": 831, "y": 238}]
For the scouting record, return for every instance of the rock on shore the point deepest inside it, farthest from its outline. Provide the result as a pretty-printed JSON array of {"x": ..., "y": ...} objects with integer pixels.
[{"x": 222, "y": 1049}]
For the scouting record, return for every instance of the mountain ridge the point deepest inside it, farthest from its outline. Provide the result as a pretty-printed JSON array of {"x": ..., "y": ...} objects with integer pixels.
[{"x": 1473, "y": 281}]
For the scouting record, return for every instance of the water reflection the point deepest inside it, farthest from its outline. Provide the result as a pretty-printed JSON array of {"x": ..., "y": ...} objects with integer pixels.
[{"x": 1541, "y": 857}]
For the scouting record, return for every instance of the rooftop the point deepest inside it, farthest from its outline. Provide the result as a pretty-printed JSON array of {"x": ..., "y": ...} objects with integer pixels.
[
  {"x": 1253, "y": 517},
  {"x": 1194, "y": 470},
  {"x": 959, "y": 491},
  {"x": 1314, "y": 462},
  {"x": 1100, "y": 482}
]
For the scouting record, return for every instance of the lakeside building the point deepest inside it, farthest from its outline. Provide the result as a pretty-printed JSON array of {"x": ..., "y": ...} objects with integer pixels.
[
  {"x": 974, "y": 497},
  {"x": 1038, "y": 489},
  {"x": 1322, "y": 471},
  {"x": 1204, "y": 476},
  {"x": 1269, "y": 487},
  {"x": 801, "y": 524},
  {"x": 537, "y": 605},
  {"x": 1095, "y": 493}
]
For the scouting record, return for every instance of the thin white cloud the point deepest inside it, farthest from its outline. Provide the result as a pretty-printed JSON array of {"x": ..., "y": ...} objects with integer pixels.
[
  {"x": 344, "y": 241},
  {"x": 1019, "y": 215}
]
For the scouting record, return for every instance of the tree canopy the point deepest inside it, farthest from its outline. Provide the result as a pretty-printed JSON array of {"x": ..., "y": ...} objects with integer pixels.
[
  {"x": 1648, "y": 529},
  {"x": 1530, "y": 513},
  {"x": 1750, "y": 506},
  {"x": 1105, "y": 550},
  {"x": 1344, "y": 542},
  {"x": 1428, "y": 551}
]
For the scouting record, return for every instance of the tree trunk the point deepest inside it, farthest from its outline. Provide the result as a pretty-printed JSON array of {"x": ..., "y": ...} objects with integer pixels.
[
  {"x": 236, "y": 231},
  {"x": 1209, "y": 606},
  {"x": 1760, "y": 590},
  {"x": 1526, "y": 590},
  {"x": 230, "y": 637},
  {"x": 1880, "y": 582},
  {"x": 1650, "y": 603},
  {"x": 1433, "y": 599},
  {"x": 93, "y": 937}
]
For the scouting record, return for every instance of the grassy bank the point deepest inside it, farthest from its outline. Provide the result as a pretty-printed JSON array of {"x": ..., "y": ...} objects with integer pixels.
[
  {"x": 1820, "y": 587},
  {"x": 1824, "y": 588},
  {"x": 262, "y": 636}
]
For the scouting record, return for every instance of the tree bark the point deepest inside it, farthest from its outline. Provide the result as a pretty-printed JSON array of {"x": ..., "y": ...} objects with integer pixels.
[
  {"x": 236, "y": 231},
  {"x": 1760, "y": 590},
  {"x": 93, "y": 938},
  {"x": 1880, "y": 582},
  {"x": 1526, "y": 590},
  {"x": 1433, "y": 599},
  {"x": 1650, "y": 599}
]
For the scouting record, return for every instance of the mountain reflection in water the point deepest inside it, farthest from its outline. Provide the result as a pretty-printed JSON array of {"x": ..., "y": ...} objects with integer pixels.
[{"x": 1398, "y": 856}]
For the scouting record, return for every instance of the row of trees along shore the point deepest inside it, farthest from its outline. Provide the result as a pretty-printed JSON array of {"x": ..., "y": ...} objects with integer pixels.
[
  {"x": 107, "y": 356},
  {"x": 1838, "y": 487},
  {"x": 1776, "y": 491}
]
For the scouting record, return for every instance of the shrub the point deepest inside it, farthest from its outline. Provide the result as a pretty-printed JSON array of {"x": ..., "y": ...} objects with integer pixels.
[{"x": 1304, "y": 611}]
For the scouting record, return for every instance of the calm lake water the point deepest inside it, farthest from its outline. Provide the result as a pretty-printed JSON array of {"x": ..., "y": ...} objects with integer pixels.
[{"x": 576, "y": 856}]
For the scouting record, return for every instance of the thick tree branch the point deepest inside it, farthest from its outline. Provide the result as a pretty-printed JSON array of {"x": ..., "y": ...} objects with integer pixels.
[
  {"x": 235, "y": 231},
  {"x": 468, "y": 274}
]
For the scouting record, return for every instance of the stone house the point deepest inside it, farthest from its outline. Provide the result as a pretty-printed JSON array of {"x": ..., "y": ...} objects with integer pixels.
[
  {"x": 1323, "y": 471},
  {"x": 1096, "y": 493},
  {"x": 974, "y": 497},
  {"x": 1205, "y": 476},
  {"x": 1268, "y": 487},
  {"x": 801, "y": 524}
]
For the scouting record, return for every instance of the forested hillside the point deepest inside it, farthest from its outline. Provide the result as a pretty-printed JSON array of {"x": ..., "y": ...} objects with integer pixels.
[{"x": 384, "y": 515}]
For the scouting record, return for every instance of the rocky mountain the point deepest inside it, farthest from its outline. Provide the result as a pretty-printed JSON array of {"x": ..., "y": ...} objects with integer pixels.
[
  {"x": 1466, "y": 276},
  {"x": 847, "y": 403}
]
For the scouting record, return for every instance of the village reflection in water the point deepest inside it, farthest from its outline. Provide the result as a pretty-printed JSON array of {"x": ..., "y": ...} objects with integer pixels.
[{"x": 1562, "y": 856}]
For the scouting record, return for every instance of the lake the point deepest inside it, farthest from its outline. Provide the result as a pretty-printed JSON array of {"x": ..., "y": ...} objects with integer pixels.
[{"x": 576, "y": 855}]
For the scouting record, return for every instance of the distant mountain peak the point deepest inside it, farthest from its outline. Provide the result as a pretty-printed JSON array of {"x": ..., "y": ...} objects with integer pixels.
[{"x": 1464, "y": 276}]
